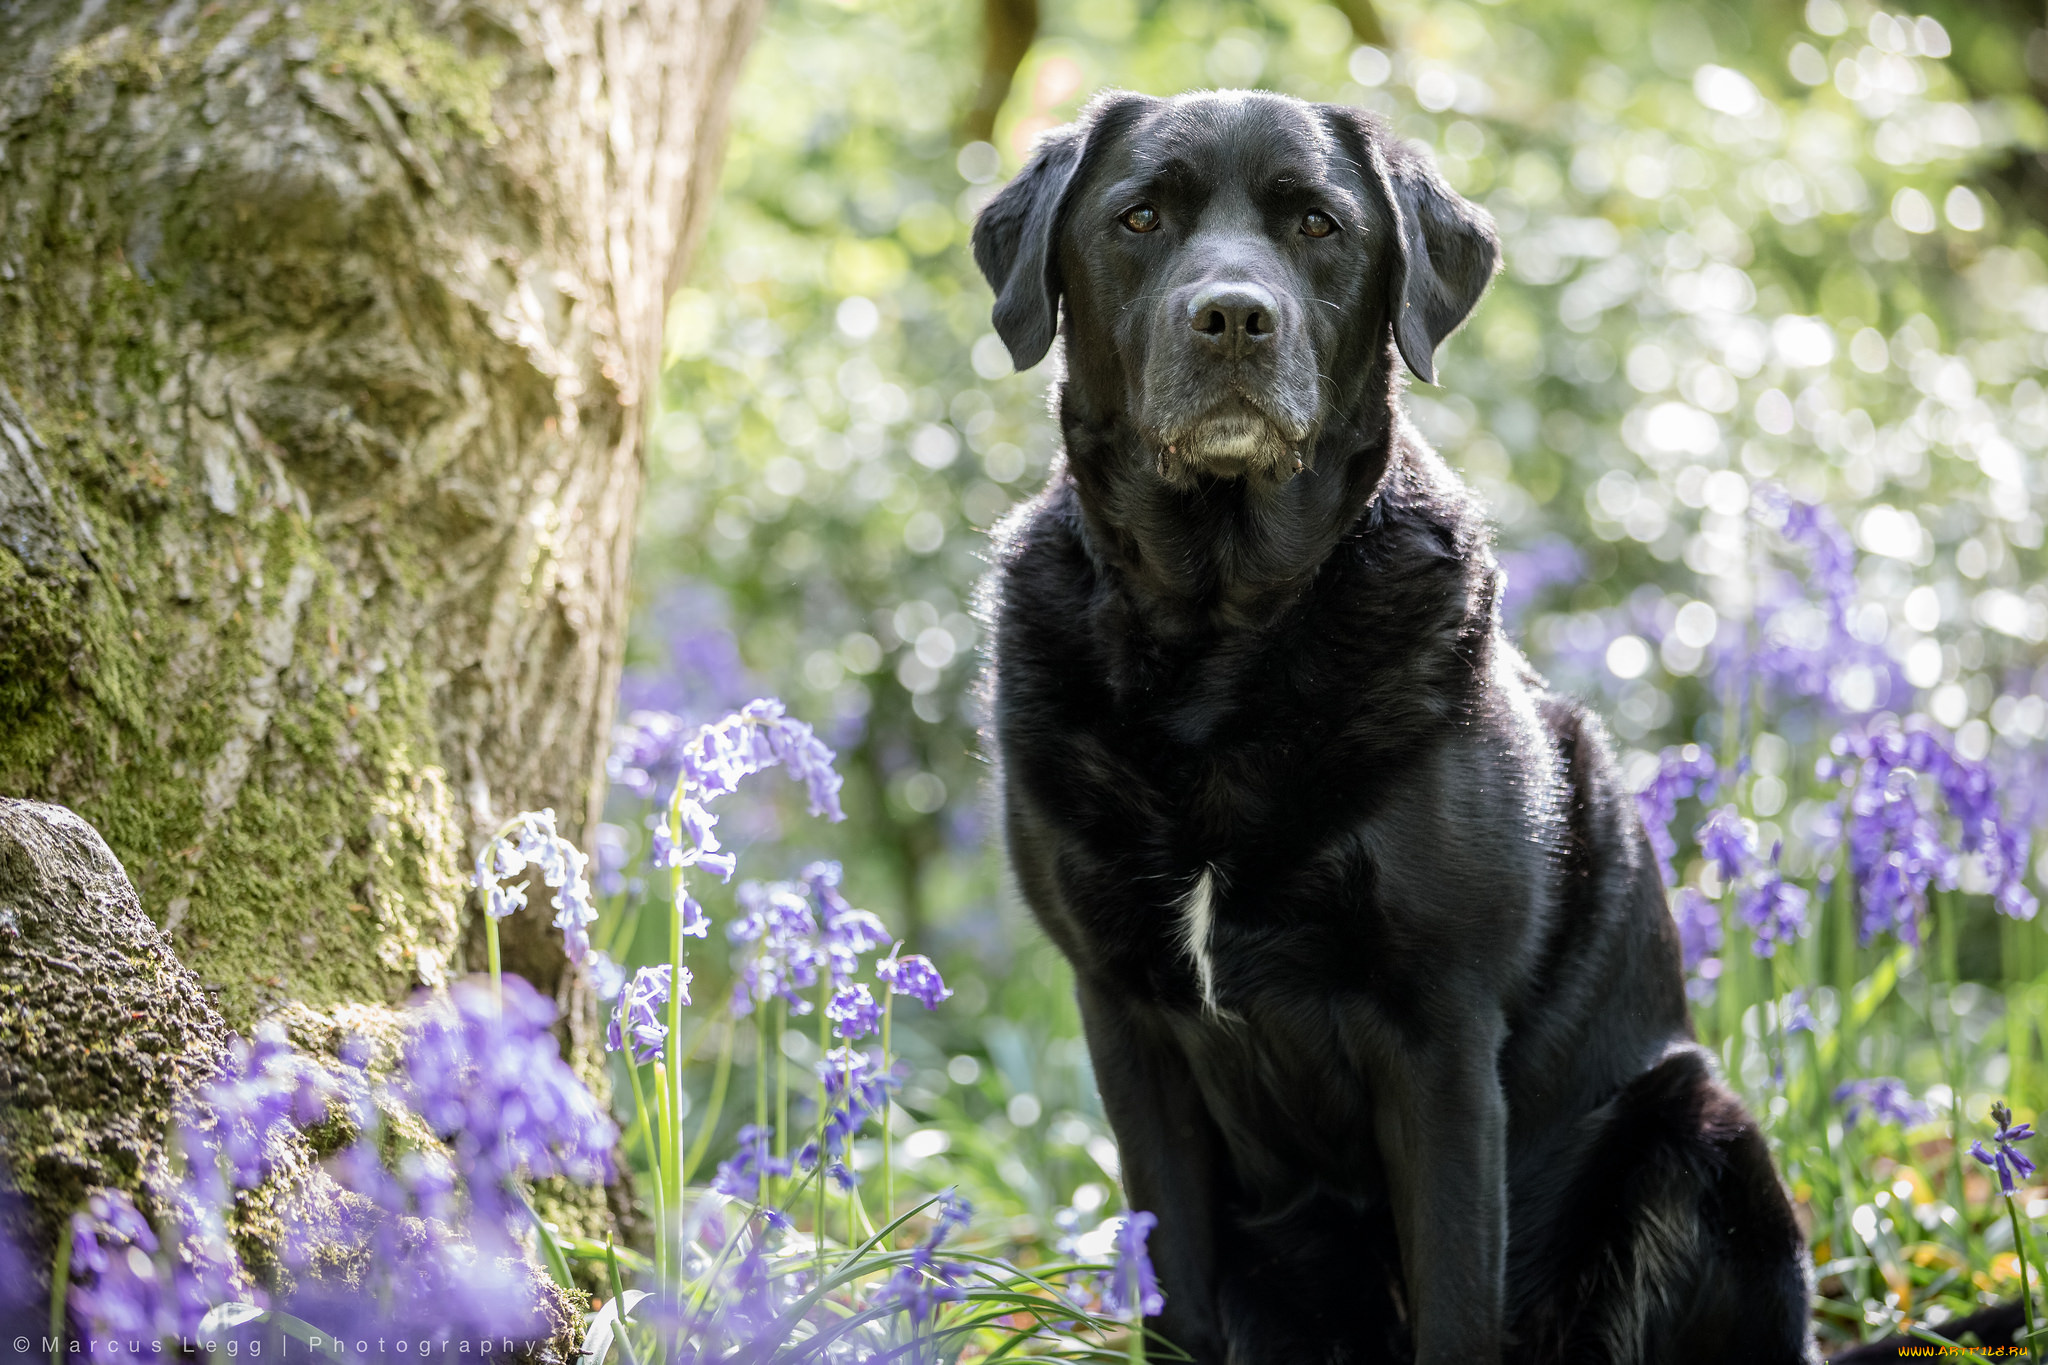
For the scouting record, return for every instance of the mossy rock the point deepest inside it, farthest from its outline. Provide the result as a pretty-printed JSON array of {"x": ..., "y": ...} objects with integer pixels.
[
  {"x": 103, "y": 1031},
  {"x": 101, "y": 1027}
]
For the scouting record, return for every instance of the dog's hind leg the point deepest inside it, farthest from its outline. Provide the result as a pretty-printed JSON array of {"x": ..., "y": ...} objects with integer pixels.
[{"x": 1679, "y": 1245}]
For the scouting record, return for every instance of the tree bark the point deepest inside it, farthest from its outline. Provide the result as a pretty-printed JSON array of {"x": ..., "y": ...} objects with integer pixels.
[{"x": 324, "y": 333}]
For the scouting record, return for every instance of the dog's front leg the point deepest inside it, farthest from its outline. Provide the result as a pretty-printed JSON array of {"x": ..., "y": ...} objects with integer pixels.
[
  {"x": 1166, "y": 1143},
  {"x": 1442, "y": 1131}
]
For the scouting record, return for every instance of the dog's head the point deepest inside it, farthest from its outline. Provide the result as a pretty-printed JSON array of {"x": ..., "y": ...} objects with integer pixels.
[{"x": 1230, "y": 265}]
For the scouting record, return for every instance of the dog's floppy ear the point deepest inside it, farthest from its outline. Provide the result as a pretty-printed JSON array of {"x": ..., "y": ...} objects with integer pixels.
[
  {"x": 1448, "y": 248},
  {"x": 1016, "y": 238}
]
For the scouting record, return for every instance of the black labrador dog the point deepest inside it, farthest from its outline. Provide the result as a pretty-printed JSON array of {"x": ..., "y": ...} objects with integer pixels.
[{"x": 1381, "y": 990}]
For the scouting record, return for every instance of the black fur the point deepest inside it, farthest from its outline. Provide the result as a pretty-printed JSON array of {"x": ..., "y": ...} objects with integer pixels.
[{"x": 1435, "y": 1101}]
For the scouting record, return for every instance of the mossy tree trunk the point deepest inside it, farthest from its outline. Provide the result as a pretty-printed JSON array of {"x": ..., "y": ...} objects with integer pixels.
[{"x": 324, "y": 333}]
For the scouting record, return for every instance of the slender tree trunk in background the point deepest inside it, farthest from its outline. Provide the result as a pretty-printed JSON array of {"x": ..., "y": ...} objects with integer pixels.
[
  {"x": 1008, "y": 28},
  {"x": 324, "y": 333}
]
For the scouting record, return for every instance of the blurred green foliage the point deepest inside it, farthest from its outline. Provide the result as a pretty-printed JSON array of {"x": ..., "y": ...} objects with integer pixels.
[{"x": 1744, "y": 242}]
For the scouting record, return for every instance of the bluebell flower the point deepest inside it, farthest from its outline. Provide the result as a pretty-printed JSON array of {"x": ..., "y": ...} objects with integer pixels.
[
  {"x": 126, "y": 1283},
  {"x": 1799, "y": 1013},
  {"x": 1127, "y": 1288},
  {"x": 853, "y": 1012},
  {"x": 1804, "y": 642},
  {"x": 642, "y": 1014},
  {"x": 695, "y": 923},
  {"x": 696, "y": 824},
  {"x": 1699, "y": 927},
  {"x": 1727, "y": 841},
  {"x": 1897, "y": 846},
  {"x": 857, "y": 1087},
  {"x": 922, "y": 1283},
  {"x": 607, "y": 977},
  {"x": 740, "y": 1175},
  {"x": 1884, "y": 1098},
  {"x": 1133, "y": 1287},
  {"x": 246, "y": 1111},
  {"x": 1775, "y": 909},
  {"x": 843, "y": 932},
  {"x": 491, "y": 1082},
  {"x": 1682, "y": 771},
  {"x": 760, "y": 735},
  {"x": 781, "y": 955},
  {"x": 22, "y": 1307},
  {"x": 913, "y": 975},
  {"x": 532, "y": 841},
  {"x": 646, "y": 752},
  {"x": 2009, "y": 1161}
]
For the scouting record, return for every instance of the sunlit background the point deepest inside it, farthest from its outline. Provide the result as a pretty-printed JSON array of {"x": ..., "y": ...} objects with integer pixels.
[{"x": 1751, "y": 252}]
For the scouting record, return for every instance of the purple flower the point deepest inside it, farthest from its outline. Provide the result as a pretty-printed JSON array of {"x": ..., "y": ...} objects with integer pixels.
[
  {"x": 1699, "y": 926},
  {"x": 922, "y": 1283},
  {"x": 17, "y": 1297},
  {"x": 607, "y": 977},
  {"x": 696, "y": 824},
  {"x": 1775, "y": 909},
  {"x": 853, "y": 1012},
  {"x": 695, "y": 923},
  {"x": 493, "y": 1084},
  {"x": 914, "y": 976},
  {"x": 1884, "y": 1098},
  {"x": 857, "y": 1087},
  {"x": 1530, "y": 570},
  {"x": 261, "y": 1088},
  {"x": 642, "y": 1014},
  {"x": 760, "y": 735},
  {"x": 844, "y": 932},
  {"x": 740, "y": 1176},
  {"x": 125, "y": 1283},
  {"x": 2008, "y": 1161},
  {"x": 530, "y": 840},
  {"x": 1132, "y": 1287},
  {"x": 1898, "y": 848},
  {"x": 782, "y": 956},
  {"x": 1681, "y": 771},
  {"x": 1798, "y": 1013},
  {"x": 647, "y": 751},
  {"x": 1727, "y": 841},
  {"x": 1804, "y": 643}
]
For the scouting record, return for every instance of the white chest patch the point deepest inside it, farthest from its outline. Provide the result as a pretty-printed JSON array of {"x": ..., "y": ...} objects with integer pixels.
[{"x": 1197, "y": 909}]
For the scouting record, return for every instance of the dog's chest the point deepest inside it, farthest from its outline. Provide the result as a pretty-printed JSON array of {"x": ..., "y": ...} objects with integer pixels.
[{"x": 1197, "y": 873}]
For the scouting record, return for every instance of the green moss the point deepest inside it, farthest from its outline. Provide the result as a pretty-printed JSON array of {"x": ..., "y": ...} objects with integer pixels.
[
  {"x": 38, "y": 636},
  {"x": 385, "y": 45},
  {"x": 335, "y": 871}
]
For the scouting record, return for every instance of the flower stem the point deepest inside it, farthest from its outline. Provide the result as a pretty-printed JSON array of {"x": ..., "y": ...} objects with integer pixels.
[
  {"x": 781, "y": 1081},
  {"x": 672, "y": 1135},
  {"x": 2019, "y": 1247},
  {"x": 654, "y": 1157},
  {"x": 1942, "y": 1015},
  {"x": 824, "y": 1105},
  {"x": 60, "y": 1291},
  {"x": 497, "y": 965},
  {"x": 888, "y": 1158},
  {"x": 760, "y": 1068},
  {"x": 714, "y": 1107}
]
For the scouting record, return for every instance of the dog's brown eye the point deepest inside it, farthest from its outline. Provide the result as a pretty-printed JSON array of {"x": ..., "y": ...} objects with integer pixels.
[
  {"x": 1142, "y": 218},
  {"x": 1314, "y": 224}
]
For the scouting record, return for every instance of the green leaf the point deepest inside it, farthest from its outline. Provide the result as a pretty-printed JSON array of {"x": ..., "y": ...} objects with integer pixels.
[
  {"x": 550, "y": 1248},
  {"x": 609, "y": 1322}
]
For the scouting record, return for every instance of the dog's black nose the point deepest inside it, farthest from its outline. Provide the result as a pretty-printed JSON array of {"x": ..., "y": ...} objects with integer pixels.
[{"x": 1233, "y": 317}]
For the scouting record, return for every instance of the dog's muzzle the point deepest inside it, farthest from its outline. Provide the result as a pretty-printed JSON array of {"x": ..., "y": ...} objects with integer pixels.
[{"x": 1231, "y": 389}]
